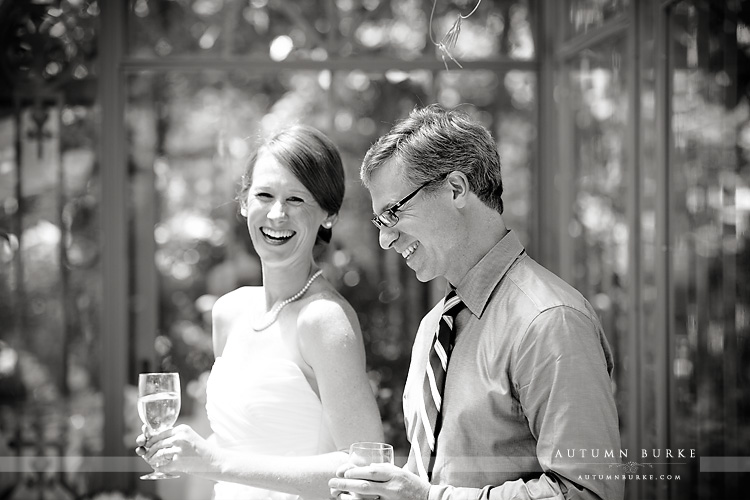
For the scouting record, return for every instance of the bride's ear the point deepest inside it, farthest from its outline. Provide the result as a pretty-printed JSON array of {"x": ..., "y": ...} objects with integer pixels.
[{"x": 330, "y": 221}]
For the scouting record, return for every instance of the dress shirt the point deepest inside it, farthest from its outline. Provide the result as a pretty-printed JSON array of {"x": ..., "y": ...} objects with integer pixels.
[{"x": 528, "y": 383}]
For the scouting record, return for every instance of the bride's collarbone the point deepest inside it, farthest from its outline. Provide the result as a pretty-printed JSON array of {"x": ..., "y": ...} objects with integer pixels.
[{"x": 250, "y": 310}]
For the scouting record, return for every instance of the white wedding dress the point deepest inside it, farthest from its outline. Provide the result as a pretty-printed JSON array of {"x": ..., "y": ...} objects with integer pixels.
[{"x": 259, "y": 401}]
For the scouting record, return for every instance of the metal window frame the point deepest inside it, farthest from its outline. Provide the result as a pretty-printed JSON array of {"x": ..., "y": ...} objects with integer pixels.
[
  {"x": 664, "y": 333},
  {"x": 114, "y": 230}
]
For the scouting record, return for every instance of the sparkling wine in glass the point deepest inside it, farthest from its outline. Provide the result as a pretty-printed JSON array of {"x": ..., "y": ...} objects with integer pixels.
[
  {"x": 158, "y": 406},
  {"x": 365, "y": 453}
]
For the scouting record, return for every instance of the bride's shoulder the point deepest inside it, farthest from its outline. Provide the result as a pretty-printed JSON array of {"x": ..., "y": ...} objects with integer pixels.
[
  {"x": 327, "y": 310},
  {"x": 328, "y": 329},
  {"x": 228, "y": 311},
  {"x": 237, "y": 300},
  {"x": 326, "y": 302}
]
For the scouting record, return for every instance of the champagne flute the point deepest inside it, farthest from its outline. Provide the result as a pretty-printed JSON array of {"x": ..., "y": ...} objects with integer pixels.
[
  {"x": 158, "y": 406},
  {"x": 367, "y": 453}
]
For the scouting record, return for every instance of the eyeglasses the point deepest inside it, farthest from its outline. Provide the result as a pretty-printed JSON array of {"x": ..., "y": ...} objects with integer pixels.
[{"x": 388, "y": 217}]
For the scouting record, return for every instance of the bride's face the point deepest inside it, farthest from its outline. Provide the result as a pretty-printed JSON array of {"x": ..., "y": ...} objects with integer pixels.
[{"x": 283, "y": 217}]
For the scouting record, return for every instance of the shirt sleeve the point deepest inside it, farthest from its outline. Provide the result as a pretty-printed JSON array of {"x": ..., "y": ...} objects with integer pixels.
[
  {"x": 561, "y": 373},
  {"x": 538, "y": 489}
]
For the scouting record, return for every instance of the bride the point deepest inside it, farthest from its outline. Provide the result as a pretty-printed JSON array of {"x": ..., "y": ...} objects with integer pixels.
[{"x": 288, "y": 387}]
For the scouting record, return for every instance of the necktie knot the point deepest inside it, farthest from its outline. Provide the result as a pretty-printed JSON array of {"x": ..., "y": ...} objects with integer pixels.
[{"x": 452, "y": 304}]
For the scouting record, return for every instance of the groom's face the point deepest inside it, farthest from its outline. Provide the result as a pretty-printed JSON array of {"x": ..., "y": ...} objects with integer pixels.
[{"x": 424, "y": 234}]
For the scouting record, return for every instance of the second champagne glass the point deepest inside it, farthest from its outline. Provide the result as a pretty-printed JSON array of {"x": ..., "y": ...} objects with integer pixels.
[
  {"x": 365, "y": 453},
  {"x": 158, "y": 406}
]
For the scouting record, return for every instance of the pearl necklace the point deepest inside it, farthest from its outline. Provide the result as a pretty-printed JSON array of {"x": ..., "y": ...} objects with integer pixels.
[{"x": 274, "y": 313}]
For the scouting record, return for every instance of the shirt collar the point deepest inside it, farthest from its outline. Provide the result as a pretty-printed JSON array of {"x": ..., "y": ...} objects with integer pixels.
[{"x": 477, "y": 286}]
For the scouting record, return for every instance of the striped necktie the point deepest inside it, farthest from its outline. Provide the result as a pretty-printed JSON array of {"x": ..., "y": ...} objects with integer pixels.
[{"x": 426, "y": 427}]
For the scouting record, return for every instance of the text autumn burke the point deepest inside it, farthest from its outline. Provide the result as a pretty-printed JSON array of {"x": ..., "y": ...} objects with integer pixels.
[{"x": 644, "y": 453}]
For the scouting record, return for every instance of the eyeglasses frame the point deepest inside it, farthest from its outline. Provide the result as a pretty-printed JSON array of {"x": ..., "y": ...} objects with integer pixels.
[{"x": 393, "y": 209}]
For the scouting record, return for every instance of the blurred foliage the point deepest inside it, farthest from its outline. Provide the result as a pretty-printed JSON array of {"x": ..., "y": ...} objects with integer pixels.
[
  {"x": 317, "y": 31},
  {"x": 711, "y": 227},
  {"x": 585, "y": 15},
  {"x": 599, "y": 218}
]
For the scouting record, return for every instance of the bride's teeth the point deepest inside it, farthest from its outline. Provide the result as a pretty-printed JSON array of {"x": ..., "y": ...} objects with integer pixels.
[{"x": 273, "y": 233}]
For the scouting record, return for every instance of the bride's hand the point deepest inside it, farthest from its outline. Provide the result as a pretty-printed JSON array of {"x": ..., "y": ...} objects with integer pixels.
[{"x": 178, "y": 449}]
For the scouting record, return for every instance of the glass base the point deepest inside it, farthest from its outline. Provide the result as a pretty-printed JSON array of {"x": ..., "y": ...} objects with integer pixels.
[{"x": 160, "y": 475}]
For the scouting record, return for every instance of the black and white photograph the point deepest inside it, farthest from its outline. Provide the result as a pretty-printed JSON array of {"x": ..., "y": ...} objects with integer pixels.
[{"x": 374, "y": 249}]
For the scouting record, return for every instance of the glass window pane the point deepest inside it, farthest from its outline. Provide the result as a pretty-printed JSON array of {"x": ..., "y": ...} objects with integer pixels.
[
  {"x": 9, "y": 222},
  {"x": 275, "y": 29},
  {"x": 598, "y": 107},
  {"x": 710, "y": 269},
  {"x": 50, "y": 242},
  {"x": 493, "y": 28},
  {"x": 585, "y": 15},
  {"x": 506, "y": 105},
  {"x": 314, "y": 30},
  {"x": 364, "y": 105}
]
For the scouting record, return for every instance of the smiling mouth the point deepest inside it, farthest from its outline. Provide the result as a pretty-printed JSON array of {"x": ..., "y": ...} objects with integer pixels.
[
  {"x": 277, "y": 235},
  {"x": 410, "y": 250}
]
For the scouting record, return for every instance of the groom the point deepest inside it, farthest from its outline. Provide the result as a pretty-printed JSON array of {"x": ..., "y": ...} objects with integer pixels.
[{"x": 512, "y": 370}]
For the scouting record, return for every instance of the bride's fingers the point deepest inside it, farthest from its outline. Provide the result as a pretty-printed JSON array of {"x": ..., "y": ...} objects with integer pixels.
[
  {"x": 141, "y": 440},
  {"x": 153, "y": 439},
  {"x": 175, "y": 453},
  {"x": 157, "y": 447},
  {"x": 157, "y": 458},
  {"x": 162, "y": 458}
]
